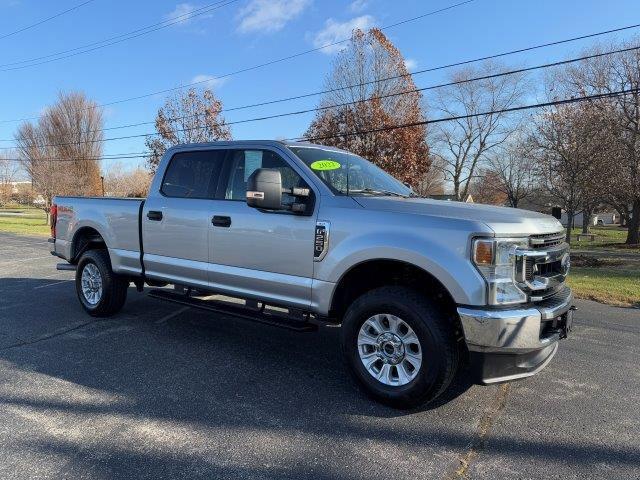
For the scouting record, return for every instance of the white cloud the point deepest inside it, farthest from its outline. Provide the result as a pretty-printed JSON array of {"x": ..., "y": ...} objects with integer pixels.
[
  {"x": 334, "y": 31},
  {"x": 267, "y": 16},
  {"x": 182, "y": 11},
  {"x": 410, "y": 63},
  {"x": 208, "y": 81},
  {"x": 358, "y": 5}
]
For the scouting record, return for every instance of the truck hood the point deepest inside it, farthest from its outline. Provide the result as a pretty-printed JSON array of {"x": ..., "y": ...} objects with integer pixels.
[{"x": 503, "y": 221}]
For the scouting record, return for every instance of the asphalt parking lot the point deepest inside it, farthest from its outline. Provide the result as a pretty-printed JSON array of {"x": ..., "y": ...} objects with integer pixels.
[{"x": 165, "y": 391}]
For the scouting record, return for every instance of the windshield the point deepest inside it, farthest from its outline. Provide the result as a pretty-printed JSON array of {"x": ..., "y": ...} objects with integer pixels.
[{"x": 348, "y": 174}]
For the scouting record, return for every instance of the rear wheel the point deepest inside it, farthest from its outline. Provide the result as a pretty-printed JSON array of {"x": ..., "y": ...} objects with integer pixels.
[
  {"x": 399, "y": 346},
  {"x": 101, "y": 292}
]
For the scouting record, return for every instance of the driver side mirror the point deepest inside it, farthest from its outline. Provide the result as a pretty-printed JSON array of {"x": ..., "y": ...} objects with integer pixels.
[{"x": 264, "y": 189}]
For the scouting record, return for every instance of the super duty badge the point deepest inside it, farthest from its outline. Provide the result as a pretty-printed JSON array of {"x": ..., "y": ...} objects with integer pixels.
[{"x": 321, "y": 241}]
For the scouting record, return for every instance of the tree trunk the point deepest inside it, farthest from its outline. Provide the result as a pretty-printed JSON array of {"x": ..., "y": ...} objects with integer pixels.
[
  {"x": 633, "y": 235},
  {"x": 586, "y": 221},
  {"x": 569, "y": 225}
]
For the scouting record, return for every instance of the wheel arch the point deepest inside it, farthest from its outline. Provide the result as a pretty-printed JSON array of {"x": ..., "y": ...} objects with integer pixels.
[
  {"x": 86, "y": 238},
  {"x": 373, "y": 273}
]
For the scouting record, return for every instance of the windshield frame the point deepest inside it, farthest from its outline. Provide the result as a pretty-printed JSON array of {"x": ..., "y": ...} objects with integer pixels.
[{"x": 396, "y": 187}]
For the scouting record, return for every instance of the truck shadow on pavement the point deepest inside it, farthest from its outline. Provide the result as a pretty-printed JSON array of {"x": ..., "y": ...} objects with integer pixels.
[{"x": 160, "y": 390}]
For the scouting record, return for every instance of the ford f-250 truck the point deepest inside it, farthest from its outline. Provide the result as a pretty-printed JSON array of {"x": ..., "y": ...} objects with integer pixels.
[{"x": 299, "y": 234}]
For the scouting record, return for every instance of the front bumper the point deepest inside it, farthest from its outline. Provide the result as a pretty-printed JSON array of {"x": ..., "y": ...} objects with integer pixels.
[{"x": 508, "y": 344}]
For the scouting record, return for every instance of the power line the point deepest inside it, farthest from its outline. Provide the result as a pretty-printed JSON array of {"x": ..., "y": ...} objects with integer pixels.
[
  {"x": 433, "y": 69},
  {"x": 20, "y": 30},
  {"x": 115, "y": 156},
  {"x": 426, "y": 122},
  {"x": 53, "y": 57},
  {"x": 254, "y": 67},
  {"x": 322, "y": 92},
  {"x": 329, "y": 107},
  {"x": 474, "y": 115}
]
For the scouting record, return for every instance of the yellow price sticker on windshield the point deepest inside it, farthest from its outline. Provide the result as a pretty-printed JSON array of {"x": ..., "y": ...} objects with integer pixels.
[{"x": 325, "y": 165}]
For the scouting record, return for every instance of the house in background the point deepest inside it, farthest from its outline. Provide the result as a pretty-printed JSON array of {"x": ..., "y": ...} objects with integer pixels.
[{"x": 604, "y": 218}]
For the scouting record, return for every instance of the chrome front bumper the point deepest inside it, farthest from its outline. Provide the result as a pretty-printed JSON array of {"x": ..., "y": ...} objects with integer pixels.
[
  {"x": 513, "y": 331},
  {"x": 514, "y": 343}
]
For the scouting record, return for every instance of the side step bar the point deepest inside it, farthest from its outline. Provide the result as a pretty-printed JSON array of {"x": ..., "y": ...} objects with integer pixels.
[
  {"x": 255, "y": 315},
  {"x": 65, "y": 266}
]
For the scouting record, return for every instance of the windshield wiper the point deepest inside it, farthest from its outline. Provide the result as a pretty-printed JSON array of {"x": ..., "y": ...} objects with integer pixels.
[{"x": 374, "y": 191}]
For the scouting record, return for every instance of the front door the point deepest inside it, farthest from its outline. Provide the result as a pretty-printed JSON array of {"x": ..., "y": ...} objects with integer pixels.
[
  {"x": 176, "y": 220},
  {"x": 259, "y": 254}
]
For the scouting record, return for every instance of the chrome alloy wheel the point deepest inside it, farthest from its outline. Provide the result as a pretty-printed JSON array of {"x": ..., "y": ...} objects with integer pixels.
[
  {"x": 91, "y": 282},
  {"x": 389, "y": 349}
]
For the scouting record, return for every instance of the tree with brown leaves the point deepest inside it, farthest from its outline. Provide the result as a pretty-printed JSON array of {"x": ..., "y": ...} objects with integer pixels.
[
  {"x": 195, "y": 116},
  {"x": 61, "y": 152},
  {"x": 512, "y": 169},
  {"x": 486, "y": 188},
  {"x": 122, "y": 182},
  {"x": 359, "y": 78}
]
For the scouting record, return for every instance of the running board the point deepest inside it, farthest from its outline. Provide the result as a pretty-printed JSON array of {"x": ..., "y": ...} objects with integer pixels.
[
  {"x": 255, "y": 315},
  {"x": 65, "y": 266}
]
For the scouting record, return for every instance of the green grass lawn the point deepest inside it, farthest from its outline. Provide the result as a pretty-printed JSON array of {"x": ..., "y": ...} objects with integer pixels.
[
  {"x": 610, "y": 238},
  {"x": 32, "y": 221},
  {"x": 610, "y": 285}
]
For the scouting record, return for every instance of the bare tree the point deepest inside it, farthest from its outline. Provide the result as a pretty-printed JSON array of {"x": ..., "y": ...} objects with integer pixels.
[
  {"x": 433, "y": 182},
  {"x": 9, "y": 171},
  {"x": 122, "y": 182},
  {"x": 513, "y": 170},
  {"x": 463, "y": 144},
  {"x": 571, "y": 146},
  {"x": 361, "y": 78},
  {"x": 195, "y": 116},
  {"x": 605, "y": 75},
  {"x": 61, "y": 152}
]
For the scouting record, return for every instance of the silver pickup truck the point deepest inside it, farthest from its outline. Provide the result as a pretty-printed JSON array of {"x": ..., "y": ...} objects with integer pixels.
[{"x": 296, "y": 234}]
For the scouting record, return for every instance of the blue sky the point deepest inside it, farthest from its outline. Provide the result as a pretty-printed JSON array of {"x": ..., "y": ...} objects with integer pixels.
[{"x": 250, "y": 32}]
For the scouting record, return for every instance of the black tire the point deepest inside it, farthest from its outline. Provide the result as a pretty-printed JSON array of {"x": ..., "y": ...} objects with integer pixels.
[
  {"x": 114, "y": 287},
  {"x": 435, "y": 332}
]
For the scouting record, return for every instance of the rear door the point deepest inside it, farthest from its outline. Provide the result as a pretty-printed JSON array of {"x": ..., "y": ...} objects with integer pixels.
[
  {"x": 260, "y": 254},
  {"x": 176, "y": 219}
]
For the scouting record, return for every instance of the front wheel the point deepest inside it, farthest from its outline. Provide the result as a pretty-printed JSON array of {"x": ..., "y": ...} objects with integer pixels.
[
  {"x": 101, "y": 292},
  {"x": 399, "y": 346}
]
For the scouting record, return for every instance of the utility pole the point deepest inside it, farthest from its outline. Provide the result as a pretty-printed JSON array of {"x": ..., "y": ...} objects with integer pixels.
[{"x": 102, "y": 180}]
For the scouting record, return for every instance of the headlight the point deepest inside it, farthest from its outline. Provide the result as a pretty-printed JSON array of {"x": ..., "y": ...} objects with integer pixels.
[{"x": 495, "y": 259}]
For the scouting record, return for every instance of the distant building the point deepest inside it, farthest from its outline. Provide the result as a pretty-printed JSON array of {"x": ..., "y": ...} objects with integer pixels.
[
  {"x": 604, "y": 218},
  {"x": 20, "y": 186}
]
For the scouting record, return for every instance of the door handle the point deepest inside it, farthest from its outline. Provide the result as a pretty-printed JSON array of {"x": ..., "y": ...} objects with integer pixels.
[
  {"x": 220, "y": 221},
  {"x": 154, "y": 215}
]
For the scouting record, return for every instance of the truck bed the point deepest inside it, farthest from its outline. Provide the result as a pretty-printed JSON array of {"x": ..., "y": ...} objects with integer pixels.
[{"x": 117, "y": 220}]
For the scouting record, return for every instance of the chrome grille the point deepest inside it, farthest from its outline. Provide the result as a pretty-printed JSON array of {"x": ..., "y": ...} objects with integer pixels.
[
  {"x": 546, "y": 240},
  {"x": 528, "y": 268},
  {"x": 540, "y": 272},
  {"x": 558, "y": 297}
]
